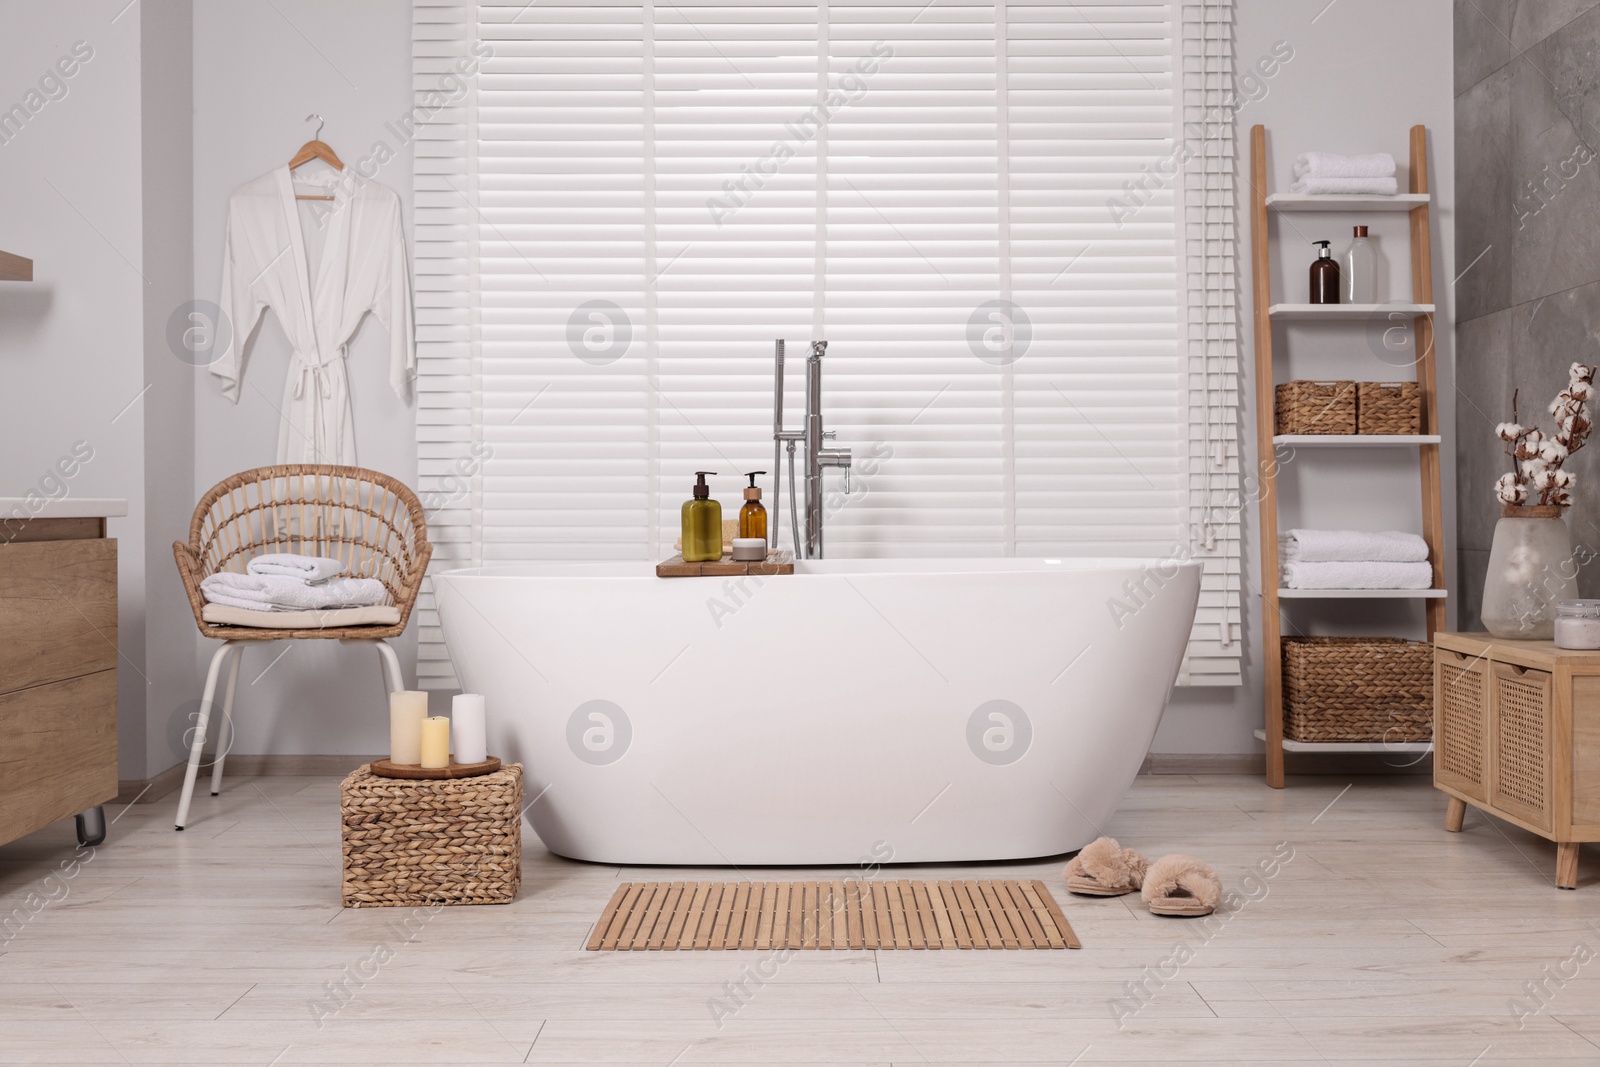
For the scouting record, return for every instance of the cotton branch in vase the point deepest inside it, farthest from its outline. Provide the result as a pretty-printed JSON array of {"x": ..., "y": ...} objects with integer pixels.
[{"x": 1536, "y": 458}]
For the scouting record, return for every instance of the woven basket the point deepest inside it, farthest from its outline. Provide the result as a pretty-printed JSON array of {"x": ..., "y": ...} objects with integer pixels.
[
  {"x": 447, "y": 841},
  {"x": 1316, "y": 407},
  {"x": 1388, "y": 407},
  {"x": 1357, "y": 689}
]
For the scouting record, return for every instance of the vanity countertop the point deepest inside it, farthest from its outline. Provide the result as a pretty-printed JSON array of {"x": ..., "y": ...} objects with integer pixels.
[{"x": 69, "y": 507}]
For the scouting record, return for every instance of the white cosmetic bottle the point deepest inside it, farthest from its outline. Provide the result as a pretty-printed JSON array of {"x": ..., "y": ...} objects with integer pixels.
[{"x": 1360, "y": 270}]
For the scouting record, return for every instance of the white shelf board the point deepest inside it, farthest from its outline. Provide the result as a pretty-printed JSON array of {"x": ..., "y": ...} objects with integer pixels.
[
  {"x": 1355, "y": 440},
  {"x": 1335, "y": 312},
  {"x": 1336, "y": 747},
  {"x": 1326, "y": 202},
  {"x": 1362, "y": 594}
]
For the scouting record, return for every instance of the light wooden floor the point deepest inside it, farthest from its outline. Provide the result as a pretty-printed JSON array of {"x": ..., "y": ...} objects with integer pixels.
[{"x": 1383, "y": 940}]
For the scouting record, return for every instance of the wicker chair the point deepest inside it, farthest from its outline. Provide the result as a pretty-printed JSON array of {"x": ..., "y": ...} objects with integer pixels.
[{"x": 369, "y": 521}]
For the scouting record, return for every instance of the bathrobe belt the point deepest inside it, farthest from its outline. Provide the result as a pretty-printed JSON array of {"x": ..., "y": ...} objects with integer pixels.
[{"x": 319, "y": 376}]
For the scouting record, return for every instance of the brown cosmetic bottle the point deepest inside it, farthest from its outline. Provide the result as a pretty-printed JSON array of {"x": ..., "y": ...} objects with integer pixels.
[{"x": 1324, "y": 275}]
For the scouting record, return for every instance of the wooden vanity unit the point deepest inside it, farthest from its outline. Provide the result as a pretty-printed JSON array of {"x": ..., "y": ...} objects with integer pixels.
[
  {"x": 1516, "y": 733},
  {"x": 58, "y": 664}
]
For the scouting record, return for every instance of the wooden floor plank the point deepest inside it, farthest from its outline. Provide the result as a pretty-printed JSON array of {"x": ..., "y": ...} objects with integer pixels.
[
  {"x": 652, "y": 912},
  {"x": 852, "y": 913},
  {"x": 1014, "y": 914},
  {"x": 1046, "y": 921},
  {"x": 732, "y": 922},
  {"x": 691, "y": 919},
  {"x": 679, "y": 914},
  {"x": 808, "y": 916},
  {"x": 719, "y": 927},
  {"x": 897, "y": 915},
  {"x": 784, "y": 927},
  {"x": 871, "y": 938},
  {"x": 825, "y": 915},
  {"x": 997, "y": 912},
  {"x": 708, "y": 915},
  {"x": 635, "y": 905},
  {"x": 658, "y": 935},
  {"x": 769, "y": 913},
  {"x": 925, "y": 921},
  {"x": 941, "y": 920},
  {"x": 752, "y": 917}
]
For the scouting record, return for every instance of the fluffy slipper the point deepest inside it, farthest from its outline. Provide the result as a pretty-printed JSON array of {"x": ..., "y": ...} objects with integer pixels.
[
  {"x": 1181, "y": 885},
  {"x": 1102, "y": 868}
]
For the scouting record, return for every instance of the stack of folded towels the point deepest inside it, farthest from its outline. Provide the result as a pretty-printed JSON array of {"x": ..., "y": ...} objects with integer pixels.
[
  {"x": 283, "y": 581},
  {"x": 1353, "y": 559},
  {"x": 1324, "y": 172}
]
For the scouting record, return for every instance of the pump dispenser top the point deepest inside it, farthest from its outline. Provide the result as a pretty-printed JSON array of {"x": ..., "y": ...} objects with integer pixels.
[
  {"x": 753, "y": 491},
  {"x": 702, "y": 491}
]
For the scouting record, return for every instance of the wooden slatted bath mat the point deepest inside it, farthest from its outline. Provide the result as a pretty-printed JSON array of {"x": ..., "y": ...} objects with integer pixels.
[{"x": 851, "y": 914}]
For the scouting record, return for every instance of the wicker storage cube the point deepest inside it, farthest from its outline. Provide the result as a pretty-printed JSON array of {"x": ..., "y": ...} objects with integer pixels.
[
  {"x": 445, "y": 841},
  {"x": 1357, "y": 689},
  {"x": 1316, "y": 407},
  {"x": 1388, "y": 407}
]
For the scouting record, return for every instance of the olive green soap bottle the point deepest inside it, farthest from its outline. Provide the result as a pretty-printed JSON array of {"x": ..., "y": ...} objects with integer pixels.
[{"x": 702, "y": 524}]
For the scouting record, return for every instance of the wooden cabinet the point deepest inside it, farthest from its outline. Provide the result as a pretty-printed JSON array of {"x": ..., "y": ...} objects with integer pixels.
[
  {"x": 58, "y": 675},
  {"x": 1517, "y": 733}
]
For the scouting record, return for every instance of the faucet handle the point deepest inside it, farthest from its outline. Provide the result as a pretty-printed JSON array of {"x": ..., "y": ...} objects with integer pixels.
[{"x": 830, "y": 435}]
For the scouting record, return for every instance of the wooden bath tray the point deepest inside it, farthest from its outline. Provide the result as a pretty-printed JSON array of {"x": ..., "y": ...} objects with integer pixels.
[
  {"x": 779, "y": 562},
  {"x": 385, "y": 769}
]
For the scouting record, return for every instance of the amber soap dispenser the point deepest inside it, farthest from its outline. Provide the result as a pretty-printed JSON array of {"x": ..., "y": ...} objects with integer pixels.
[
  {"x": 753, "y": 516},
  {"x": 1324, "y": 275},
  {"x": 702, "y": 524}
]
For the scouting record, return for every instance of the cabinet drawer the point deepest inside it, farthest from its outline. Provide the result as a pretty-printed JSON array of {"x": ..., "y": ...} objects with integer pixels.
[
  {"x": 60, "y": 751},
  {"x": 1522, "y": 725},
  {"x": 1461, "y": 722},
  {"x": 58, "y": 611}
]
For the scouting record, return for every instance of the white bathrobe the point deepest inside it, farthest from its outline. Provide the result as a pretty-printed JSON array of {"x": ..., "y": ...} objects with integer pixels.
[{"x": 362, "y": 268}]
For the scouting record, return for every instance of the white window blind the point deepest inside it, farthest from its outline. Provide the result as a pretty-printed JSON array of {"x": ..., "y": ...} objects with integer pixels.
[{"x": 1030, "y": 351}]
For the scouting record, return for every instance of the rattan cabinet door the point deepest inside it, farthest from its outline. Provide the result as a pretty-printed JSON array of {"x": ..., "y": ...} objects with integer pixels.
[
  {"x": 1461, "y": 722},
  {"x": 1521, "y": 724}
]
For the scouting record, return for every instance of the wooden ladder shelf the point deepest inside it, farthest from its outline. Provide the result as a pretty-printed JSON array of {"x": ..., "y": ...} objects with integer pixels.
[{"x": 1415, "y": 201}]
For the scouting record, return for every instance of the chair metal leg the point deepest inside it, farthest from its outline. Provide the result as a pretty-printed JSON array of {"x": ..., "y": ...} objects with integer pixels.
[
  {"x": 397, "y": 681},
  {"x": 198, "y": 744},
  {"x": 225, "y": 733}
]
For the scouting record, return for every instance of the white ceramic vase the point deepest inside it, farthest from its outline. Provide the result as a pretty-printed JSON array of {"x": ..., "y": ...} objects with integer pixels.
[{"x": 1531, "y": 569}]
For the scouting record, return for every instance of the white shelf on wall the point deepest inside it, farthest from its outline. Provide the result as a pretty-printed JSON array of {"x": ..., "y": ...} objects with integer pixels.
[
  {"x": 1355, "y": 440},
  {"x": 1336, "y": 747},
  {"x": 1362, "y": 594},
  {"x": 1336, "y": 312},
  {"x": 1324, "y": 202}
]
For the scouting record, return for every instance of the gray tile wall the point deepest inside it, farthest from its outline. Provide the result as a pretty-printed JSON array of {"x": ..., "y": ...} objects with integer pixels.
[{"x": 1527, "y": 81}]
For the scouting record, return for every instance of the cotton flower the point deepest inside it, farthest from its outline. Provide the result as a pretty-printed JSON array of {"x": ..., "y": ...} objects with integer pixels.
[
  {"x": 1509, "y": 491},
  {"x": 1557, "y": 406},
  {"x": 1545, "y": 479},
  {"x": 1553, "y": 452},
  {"x": 1533, "y": 439},
  {"x": 1562, "y": 497},
  {"x": 1562, "y": 479},
  {"x": 1580, "y": 372},
  {"x": 1580, "y": 390},
  {"x": 1509, "y": 431},
  {"x": 1533, "y": 465}
]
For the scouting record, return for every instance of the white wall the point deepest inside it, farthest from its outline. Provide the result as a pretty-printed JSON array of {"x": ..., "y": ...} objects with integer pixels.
[
  {"x": 1362, "y": 74},
  {"x": 71, "y": 341},
  {"x": 259, "y": 69}
]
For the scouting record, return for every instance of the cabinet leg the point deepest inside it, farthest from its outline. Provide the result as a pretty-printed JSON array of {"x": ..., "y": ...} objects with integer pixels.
[
  {"x": 92, "y": 827},
  {"x": 1453, "y": 817},
  {"x": 1566, "y": 865}
]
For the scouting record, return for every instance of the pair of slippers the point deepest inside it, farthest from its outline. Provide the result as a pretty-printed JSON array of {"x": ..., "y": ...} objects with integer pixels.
[{"x": 1173, "y": 885}]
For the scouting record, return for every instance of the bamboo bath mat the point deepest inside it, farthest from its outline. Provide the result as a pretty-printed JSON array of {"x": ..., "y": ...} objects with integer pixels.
[{"x": 850, "y": 914}]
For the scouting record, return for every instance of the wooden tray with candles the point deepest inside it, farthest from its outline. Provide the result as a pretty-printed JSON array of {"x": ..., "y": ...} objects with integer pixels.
[{"x": 384, "y": 768}]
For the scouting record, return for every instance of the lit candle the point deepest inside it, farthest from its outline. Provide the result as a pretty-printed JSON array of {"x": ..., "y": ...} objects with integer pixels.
[
  {"x": 468, "y": 726},
  {"x": 406, "y": 712},
  {"x": 436, "y": 741}
]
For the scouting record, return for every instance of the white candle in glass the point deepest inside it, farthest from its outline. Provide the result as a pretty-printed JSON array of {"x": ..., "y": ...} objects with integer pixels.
[
  {"x": 406, "y": 712},
  {"x": 469, "y": 727},
  {"x": 435, "y": 742}
]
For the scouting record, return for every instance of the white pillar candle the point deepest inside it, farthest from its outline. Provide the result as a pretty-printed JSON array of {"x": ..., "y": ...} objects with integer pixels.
[
  {"x": 469, "y": 727},
  {"x": 406, "y": 712},
  {"x": 435, "y": 741}
]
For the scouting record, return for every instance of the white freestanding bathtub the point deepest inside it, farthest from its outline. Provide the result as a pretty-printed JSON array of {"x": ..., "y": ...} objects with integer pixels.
[{"x": 857, "y": 711}]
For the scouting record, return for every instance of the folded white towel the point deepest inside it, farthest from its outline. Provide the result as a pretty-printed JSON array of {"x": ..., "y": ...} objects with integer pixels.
[
  {"x": 266, "y": 592},
  {"x": 1346, "y": 186},
  {"x": 290, "y": 565},
  {"x": 1352, "y": 546},
  {"x": 1358, "y": 575},
  {"x": 1333, "y": 165}
]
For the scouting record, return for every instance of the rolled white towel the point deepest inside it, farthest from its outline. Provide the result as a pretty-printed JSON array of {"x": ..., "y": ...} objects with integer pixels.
[
  {"x": 1353, "y": 546},
  {"x": 1346, "y": 186},
  {"x": 265, "y": 592},
  {"x": 1358, "y": 575},
  {"x": 290, "y": 565},
  {"x": 1333, "y": 165}
]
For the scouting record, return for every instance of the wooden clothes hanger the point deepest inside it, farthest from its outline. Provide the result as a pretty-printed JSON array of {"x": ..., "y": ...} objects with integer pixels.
[{"x": 315, "y": 149}]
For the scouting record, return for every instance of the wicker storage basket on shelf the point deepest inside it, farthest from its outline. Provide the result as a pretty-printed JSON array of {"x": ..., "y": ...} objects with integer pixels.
[
  {"x": 1316, "y": 407},
  {"x": 443, "y": 841},
  {"x": 1357, "y": 689},
  {"x": 1388, "y": 407}
]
